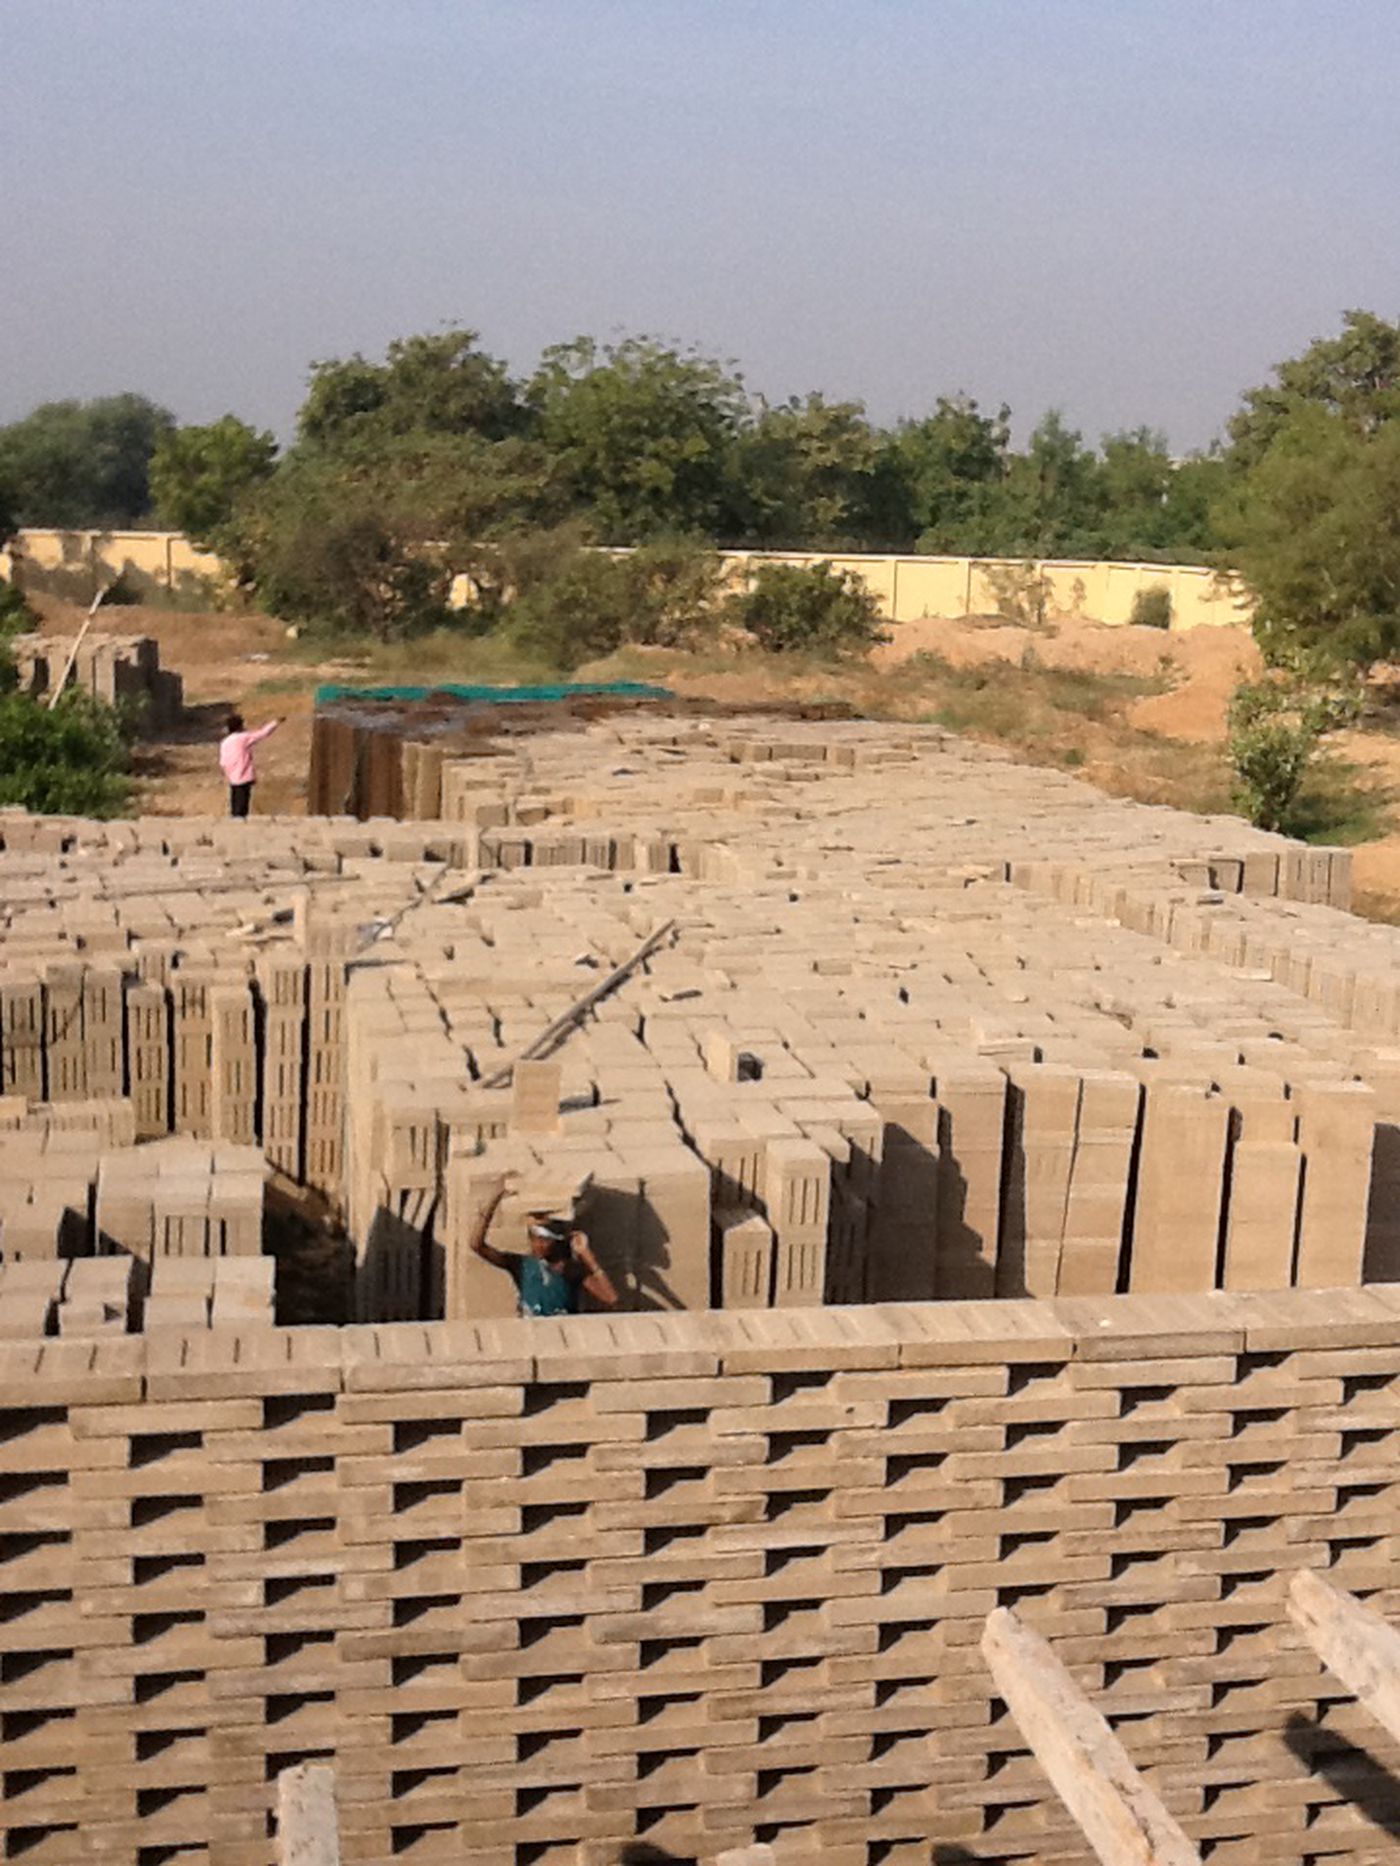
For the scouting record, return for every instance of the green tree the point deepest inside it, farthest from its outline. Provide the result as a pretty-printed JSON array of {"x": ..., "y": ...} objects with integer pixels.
[
  {"x": 1314, "y": 529},
  {"x": 199, "y": 473},
  {"x": 431, "y": 384},
  {"x": 1354, "y": 376},
  {"x": 1050, "y": 503},
  {"x": 804, "y": 475},
  {"x": 331, "y": 545},
  {"x": 1196, "y": 487},
  {"x": 1135, "y": 476},
  {"x": 644, "y": 434},
  {"x": 367, "y": 538},
  {"x": 943, "y": 472},
  {"x": 83, "y": 463}
]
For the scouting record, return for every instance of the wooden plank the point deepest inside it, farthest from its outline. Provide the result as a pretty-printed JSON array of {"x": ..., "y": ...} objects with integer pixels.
[
  {"x": 1119, "y": 1815},
  {"x": 1354, "y": 1644},
  {"x": 307, "y": 1831}
]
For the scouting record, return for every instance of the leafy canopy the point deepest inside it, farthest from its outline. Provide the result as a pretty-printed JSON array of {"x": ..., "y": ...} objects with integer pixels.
[
  {"x": 643, "y": 433},
  {"x": 1316, "y": 531},
  {"x": 434, "y": 384},
  {"x": 809, "y": 609},
  {"x": 72, "y": 760},
  {"x": 199, "y": 473},
  {"x": 81, "y": 464},
  {"x": 1354, "y": 375}
]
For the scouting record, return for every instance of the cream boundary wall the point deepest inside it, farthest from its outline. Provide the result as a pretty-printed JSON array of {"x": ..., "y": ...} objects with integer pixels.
[
  {"x": 908, "y": 587},
  {"x": 538, "y": 1589}
]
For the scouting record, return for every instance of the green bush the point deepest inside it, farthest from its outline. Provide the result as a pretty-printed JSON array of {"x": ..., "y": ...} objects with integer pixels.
[
  {"x": 1152, "y": 608},
  {"x": 71, "y": 761},
  {"x": 16, "y": 613},
  {"x": 1275, "y": 729},
  {"x": 573, "y": 605},
  {"x": 793, "y": 609},
  {"x": 330, "y": 550}
]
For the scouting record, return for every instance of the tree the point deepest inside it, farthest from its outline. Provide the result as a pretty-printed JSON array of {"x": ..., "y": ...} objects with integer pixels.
[
  {"x": 431, "y": 384},
  {"x": 1050, "y": 503},
  {"x": 644, "y": 433},
  {"x": 83, "y": 463},
  {"x": 1135, "y": 476},
  {"x": 1194, "y": 491},
  {"x": 804, "y": 475},
  {"x": 948, "y": 466},
  {"x": 1315, "y": 533},
  {"x": 198, "y": 474},
  {"x": 331, "y": 546},
  {"x": 367, "y": 538},
  {"x": 1355, "y": 376}
]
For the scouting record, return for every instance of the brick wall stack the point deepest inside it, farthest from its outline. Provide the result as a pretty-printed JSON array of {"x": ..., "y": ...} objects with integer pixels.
[{"x": 540, "y": 1590}]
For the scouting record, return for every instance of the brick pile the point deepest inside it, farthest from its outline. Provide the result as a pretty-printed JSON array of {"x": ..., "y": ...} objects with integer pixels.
[
  {"x": 541, "y": 1590},
  {"x": 926, "y": 1025},
  {"x": 115, "y": 668}
]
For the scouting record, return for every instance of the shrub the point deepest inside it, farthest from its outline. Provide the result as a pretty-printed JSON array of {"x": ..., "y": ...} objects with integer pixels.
[
  {"x": 1021, "y": 592},
  {"x": 793, "y": 609},
  {"x": 1275, "y": 728},
  {"x": 330, "y": 550},
  {"x": 16, "y": 612},
  {"x": 1152, "y": 608},
  {"x": 574, "y": 605},
  {"x": 71, "y": 761}
]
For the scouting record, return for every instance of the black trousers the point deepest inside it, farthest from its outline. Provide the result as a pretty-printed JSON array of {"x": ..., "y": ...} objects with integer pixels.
[{"x": 240, "y": 798}]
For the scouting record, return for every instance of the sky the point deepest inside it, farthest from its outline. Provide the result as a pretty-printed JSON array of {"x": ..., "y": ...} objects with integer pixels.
[{"x": 1127, "y": 209}]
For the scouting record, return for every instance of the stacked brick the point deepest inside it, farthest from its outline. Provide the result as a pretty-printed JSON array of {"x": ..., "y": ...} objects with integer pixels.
[
  {"x": 544, "y": 1590},
  {"x": 851, "y": 1072},
  {"x": 114, "y": 668},
  {"x": 181, "y": 1198}
]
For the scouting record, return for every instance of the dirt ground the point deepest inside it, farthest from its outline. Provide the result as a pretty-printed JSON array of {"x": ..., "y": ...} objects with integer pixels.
[{"x": 248, "y": 661}]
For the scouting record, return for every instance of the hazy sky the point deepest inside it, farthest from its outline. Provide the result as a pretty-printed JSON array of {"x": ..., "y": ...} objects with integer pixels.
[{"x": 1127, "y": 208}]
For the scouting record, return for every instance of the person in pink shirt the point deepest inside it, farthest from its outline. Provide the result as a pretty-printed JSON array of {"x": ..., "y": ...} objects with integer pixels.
[{"x": 236, "y": 761}]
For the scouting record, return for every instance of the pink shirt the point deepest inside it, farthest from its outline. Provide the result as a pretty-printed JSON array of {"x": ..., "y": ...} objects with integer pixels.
[{"x": 236, "y": 753}]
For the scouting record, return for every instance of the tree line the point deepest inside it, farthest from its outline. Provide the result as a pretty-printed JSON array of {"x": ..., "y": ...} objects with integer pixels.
[
  {"x": 436, "y": 461},
  {"x": 637, "y": 439}
]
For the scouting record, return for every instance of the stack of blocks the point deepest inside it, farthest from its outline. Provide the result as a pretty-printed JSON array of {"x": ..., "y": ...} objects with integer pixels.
[{"x": 548, "y": 1589}]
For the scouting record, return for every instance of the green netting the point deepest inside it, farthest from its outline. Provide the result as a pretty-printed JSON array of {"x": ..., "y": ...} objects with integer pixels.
[{"x": 498, "y": 696}]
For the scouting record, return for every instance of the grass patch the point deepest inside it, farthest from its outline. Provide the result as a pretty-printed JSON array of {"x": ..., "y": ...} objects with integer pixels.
[
  {"x": 1336, "y": 806},
  {"x": 1027, "y": 705},
  {"x": 283, "y": 684}
]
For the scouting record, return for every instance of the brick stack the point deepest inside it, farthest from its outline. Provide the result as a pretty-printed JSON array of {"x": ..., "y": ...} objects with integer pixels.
[
  {"x": 554, "y": 1588},
  {"x": 110, "y": 667},
  {"x": 994, "y": 1067}
]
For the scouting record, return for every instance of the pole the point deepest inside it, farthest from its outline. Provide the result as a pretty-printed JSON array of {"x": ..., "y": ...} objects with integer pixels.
[{"x": 62, "y": 681}]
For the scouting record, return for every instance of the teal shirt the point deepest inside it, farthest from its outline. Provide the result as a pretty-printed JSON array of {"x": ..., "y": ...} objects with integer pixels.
[{"x": 542, "y": 1290}]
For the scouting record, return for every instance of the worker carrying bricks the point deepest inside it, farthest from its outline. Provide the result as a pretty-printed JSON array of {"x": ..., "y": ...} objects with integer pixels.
[
  {"x": 236, "y": 760},
  {"x": 559, "y": 1266}
]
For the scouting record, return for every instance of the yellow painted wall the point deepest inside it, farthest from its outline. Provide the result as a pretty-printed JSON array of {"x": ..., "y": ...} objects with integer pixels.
[{"x": 166, "y": 565}]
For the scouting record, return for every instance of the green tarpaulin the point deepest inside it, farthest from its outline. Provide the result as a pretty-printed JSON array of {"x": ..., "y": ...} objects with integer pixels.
[{"x": 499, "y": 696}]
